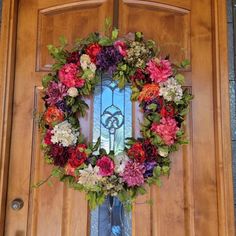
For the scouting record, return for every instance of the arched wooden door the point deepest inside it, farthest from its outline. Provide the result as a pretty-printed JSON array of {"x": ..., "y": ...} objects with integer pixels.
[{"x": 192, "y": 201}]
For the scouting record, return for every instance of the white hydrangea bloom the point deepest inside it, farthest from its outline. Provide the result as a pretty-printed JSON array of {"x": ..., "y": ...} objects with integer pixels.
[
  {"x": 64, "y": 134},
  {"x": 86, "y": 64},
  {"x": 72, "y": 92},
  {"x": 120, "y": 162},
  {"x": 89, "y": 176},
  {"x": 171, "y": 90}
]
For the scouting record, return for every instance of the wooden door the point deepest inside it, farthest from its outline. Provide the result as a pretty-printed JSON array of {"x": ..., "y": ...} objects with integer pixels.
[{"x": 197, "y": 197}]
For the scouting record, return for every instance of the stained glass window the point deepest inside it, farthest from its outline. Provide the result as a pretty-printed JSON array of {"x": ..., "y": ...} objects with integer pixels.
[{"x": 113, "y": 123}]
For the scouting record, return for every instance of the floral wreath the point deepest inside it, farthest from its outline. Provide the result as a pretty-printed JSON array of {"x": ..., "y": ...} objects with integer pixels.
[{"x": 155, "y": 83}]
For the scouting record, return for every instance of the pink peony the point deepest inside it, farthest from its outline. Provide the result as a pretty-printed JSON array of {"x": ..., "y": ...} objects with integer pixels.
[
  {"x": 121, "y": 47},
  {"x": 106, "y": 166},
  {"x": 68, "y": 76},
  {"x": 166, "y": 129},
  {"x": 159, "y": 70},
  {"x": 133, "y": 173}
]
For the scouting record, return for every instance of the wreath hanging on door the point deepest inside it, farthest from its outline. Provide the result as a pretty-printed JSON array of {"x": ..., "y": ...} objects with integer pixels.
[{"x": 156, "y": 85}]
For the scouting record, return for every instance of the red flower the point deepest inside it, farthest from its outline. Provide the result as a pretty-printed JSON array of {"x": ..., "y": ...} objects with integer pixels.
[
  {"x": 93, "y": 50},
  {"x": 167, "y": 111},
  {"x": 138, "y": 75},
  {"x": 136, "y": 151},
  {"x": 70, "y": 170},
  {"x": 53, "y": 115},
  {"x": 78, "y": 156},
  {"x": 106, "y": 166},
  {"x": 47, "y": 137}
]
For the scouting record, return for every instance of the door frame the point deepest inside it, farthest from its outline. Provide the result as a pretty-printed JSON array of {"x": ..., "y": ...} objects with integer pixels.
[{"x": 221, "y": 109}]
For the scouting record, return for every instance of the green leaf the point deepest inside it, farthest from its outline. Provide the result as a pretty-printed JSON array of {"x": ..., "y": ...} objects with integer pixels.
[
  {"x": 46, "y": 80},
  {"x": 97, "y": 144},
  {"x": 180, "y": 79},
  {"x": 114, "y": 34},
  {"x": 63, "y": 41},
  {"x": 105, "y": 41},
  {"x": 157, "y": 172},
  {"x": 152, "y": 106},
  {"x": 185, "y": 63},
  {"x": 121, "y": 83}
]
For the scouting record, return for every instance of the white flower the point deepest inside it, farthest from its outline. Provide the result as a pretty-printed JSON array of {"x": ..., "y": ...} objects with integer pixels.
[
  {"x": 120, "y": 162},
  {"x": 85, "y": 61},
  {"x": 72, "y": 92},
  {"x": 163, "y": 152},
  {"x": 171, "y": 90},
  {"x": 89, "y": 176},
  {"x": 64, "y": 134},
  {"x": 92, "y": 67}
]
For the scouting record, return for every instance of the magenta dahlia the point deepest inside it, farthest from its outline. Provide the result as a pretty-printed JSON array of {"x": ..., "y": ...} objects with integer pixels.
[
  {"x": 55, "y": 93},
  {"x": 133, "y": 173}
]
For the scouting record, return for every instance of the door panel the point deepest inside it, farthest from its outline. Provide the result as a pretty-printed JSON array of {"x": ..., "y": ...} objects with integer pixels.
[
  {"x": 186, "y": 204},
  {"x": 48, "y": 210},
  {"x": 183, "y": 32}
]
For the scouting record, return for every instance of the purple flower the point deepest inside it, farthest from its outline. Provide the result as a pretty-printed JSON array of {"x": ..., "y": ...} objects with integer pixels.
[
  {"x": 55, "y": 93},
  {"x": 108, "y": 58},
  {"x": 63, "y": 106},
  {"x": 133, "y": 173},
  {"x": 149, "y": 166}
]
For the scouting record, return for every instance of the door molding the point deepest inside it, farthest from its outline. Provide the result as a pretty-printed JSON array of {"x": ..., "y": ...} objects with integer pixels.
[
  {"x": 7, "y": 69},
  {"x": 221, "y": 109},
  {"x": 222, "y": 120}
]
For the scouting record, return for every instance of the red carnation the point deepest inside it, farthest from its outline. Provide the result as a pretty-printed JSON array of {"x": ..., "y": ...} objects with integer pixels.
[
  {"x": 106, "y": 166},
  {"x": 136, "y": 151},
  {"x": 47, "y": 137},
  {"x": 93, "y": 50}
]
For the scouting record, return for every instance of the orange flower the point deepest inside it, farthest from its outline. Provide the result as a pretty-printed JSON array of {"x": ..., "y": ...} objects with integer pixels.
[
  {"x": 53, "y": 115},
  {"x": 149, "y": 92}
]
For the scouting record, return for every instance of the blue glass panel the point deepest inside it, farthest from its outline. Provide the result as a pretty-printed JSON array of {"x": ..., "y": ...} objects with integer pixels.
[{"x": 113, "y": 122}]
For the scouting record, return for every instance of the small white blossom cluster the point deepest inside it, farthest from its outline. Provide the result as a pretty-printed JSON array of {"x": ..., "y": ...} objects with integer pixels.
[
  {"x": 171, "y": 90},
  {"x": 73, "y": 92},
  {"x": 89, "y": 176},
  {"x": 64, "y": 134},
  {"x": 86, "y": 63}
]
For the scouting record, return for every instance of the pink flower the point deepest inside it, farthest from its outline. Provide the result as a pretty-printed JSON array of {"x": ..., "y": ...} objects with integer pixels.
[
  {"x": 166, "y": 129},
  {"x": 159, "y": 70},
  {"x": 106, "y": 166},
  {"x": 68, "y": 76},
  {"x": 121, "y": 47},
  {"x": 133, "y": 173},
  {"x": 55, "y": 93}
]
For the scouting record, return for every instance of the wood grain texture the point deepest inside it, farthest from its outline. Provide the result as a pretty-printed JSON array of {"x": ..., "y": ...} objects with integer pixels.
[
  {"x": 222, "y": 121},
  {"x": 197, "y": 199},
  {"x": 7, "y": 70},
  {"x": 49, "y": 210}
]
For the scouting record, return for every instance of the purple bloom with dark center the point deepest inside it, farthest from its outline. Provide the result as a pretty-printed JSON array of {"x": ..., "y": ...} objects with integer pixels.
[
  {"x": 59, "y": 154},
  {"x": 63, "y": 106},
  {"x": 157, "y": 101},
  {"x": 149, "y": 166},
  {"x": 55, "y": 93},
  {"x": 108, "y": 59}
]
